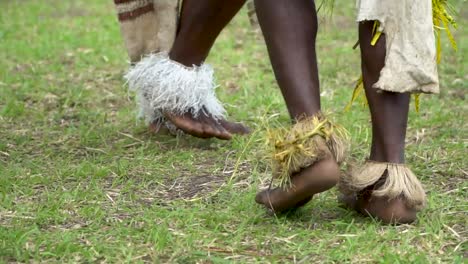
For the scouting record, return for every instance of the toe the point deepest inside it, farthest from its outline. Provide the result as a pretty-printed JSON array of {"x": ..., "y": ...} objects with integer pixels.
[
  {"x": 222, "y": 132},
  {"x": 195, "y": 129},
  {"x": 260, "y": 197},
  {"x": 189, "y": 124},
  {"x": 192, "y": 127},
  {"x": 213, "y": 129},
  {"x": 209, "y": 131},
  {"x": 235, "y": 128}
]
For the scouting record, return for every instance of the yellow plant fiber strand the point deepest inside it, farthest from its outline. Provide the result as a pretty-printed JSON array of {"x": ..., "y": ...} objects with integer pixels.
[
  {"x": 443, "y": 20},
  {"x": 306, "y": 142},
  {"x": 376, "y": 33},
  {"x": 358, "y": 92}
]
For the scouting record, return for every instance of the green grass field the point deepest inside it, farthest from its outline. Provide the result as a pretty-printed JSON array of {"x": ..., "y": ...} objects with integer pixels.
[{"x": 82, "y": 181}]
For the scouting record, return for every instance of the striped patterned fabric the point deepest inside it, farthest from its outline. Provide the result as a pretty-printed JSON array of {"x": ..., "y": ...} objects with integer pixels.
[
  {"x": 131, "y": 9},
  {"x": 147, "y": 26}
]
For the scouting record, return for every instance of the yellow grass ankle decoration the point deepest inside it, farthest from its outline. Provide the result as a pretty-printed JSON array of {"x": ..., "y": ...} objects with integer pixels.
[{"x": 306, "y": 142}]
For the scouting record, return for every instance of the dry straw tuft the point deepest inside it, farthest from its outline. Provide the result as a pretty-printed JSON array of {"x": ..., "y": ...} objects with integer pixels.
[{"x": 392, "y": 180}]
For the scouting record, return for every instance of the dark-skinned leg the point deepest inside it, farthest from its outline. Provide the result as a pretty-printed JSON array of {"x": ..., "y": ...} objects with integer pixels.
[
  {"x": 290, "y": 29},
  {"x": 389, "y": 111},
  {"x": 389, "y": 114},
  {"x": 200, "y": 24}
]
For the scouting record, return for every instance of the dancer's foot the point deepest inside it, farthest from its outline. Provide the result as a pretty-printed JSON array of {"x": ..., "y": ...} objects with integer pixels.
[
  {"x": 389, "y": 112},
  {"x": 205, "y": 126},
  {"x": 392, "y": 211},
  {"x": 317, "y": 178}
]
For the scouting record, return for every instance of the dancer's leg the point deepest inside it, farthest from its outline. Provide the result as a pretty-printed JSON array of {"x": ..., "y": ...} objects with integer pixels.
[
  {"x": 290, "y": 29},
  {"x": 200, "y": 24},
  {"x": 389, "y": 113}
]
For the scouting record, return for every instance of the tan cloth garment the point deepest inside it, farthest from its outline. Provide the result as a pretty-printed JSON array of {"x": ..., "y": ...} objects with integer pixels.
[
  {"x": 410, "y": 63},
  {"x": 147, "y": 26}
]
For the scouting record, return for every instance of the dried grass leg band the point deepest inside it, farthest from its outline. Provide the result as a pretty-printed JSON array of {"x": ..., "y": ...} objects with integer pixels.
[
  {"x": 308, "y": 141},
  {"x": 392, "y": 180},
  {"x": 165, "y": 86}
]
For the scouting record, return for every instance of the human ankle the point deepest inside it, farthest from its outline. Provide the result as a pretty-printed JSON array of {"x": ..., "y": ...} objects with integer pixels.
[
  {"x": 185, "y": 58},
  {"x": 390, "y": 155}
]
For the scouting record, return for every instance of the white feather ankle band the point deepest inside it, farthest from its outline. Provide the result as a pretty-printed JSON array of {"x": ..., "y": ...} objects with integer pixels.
[{"x": 164, "y": 85}]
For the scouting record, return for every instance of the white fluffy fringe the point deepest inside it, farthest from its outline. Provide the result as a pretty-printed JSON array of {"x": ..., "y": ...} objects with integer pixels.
[{"x": 163, "y": 85}]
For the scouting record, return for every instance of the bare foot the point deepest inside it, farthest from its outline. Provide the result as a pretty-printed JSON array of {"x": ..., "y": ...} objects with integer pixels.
[
  {"x": 201, "y": 126},
  {"x": 205, "y": 126},
  {"x": 388, "y": 211},
  {"x": 317, "y": 178}
]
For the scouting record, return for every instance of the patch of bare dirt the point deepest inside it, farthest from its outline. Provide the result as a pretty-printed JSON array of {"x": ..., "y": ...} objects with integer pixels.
[{"x": 200, "y": 186}]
